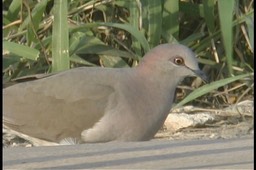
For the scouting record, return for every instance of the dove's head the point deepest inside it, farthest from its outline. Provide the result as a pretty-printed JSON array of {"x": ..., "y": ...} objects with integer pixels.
[{"x": 176, "y": 60}]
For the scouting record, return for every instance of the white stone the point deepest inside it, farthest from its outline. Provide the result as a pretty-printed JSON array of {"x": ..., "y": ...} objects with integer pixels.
[{"x": 176, "y": 121}]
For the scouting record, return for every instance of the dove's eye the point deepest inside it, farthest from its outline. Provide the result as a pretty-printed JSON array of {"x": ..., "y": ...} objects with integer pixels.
[{"x": 178, "y": 61}]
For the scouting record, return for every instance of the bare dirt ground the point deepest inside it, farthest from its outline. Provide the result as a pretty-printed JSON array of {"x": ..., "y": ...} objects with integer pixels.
[
  {"x": 223, "y": 129},
  {"x": 226, "y": 125},
  {"x": 234, "y": 121}
]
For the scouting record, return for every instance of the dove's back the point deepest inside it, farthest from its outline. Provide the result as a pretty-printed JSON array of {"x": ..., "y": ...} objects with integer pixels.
[{"x": 59, "y": 106}]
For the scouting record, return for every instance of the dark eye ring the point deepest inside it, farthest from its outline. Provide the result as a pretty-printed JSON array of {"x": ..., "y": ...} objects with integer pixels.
[{"x": 179, "y": 61}]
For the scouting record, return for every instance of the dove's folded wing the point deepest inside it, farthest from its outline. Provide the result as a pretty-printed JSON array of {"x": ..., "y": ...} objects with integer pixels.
[{"x": 57, "y": 107}]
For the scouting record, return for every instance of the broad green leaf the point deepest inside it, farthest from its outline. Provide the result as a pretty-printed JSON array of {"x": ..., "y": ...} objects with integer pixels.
[{"x": 21, "y": 50}]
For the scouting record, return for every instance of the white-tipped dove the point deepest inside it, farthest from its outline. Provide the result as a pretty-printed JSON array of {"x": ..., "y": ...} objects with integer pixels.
[{"x": 100, "y": 104}]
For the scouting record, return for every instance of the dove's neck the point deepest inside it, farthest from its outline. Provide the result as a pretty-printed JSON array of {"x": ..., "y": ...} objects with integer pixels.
[
  {"x": 160, "y": 87},
  {"x": 166, "y": 81}
]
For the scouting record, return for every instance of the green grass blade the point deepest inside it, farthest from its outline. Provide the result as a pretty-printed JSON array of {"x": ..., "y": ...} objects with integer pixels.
[
  {"x": 191, "y": 9},
  {"x": 154, "y": 17},
  {"x": 134, "y": 20},
  {"x": 76, "y": 59},
  {"x": 226, "y": 8},
  {"x": 36, "y": 14},
  {"x": 171, "y": 18},
  {"x": 210, "y": 87},
  {"x": 250, "y": 27},
  {"x": 132, "y": 30},
  {"x": 14, "y": 10},
  {"x": 209, "y": 14},
  {"x": 21, "y": 50},
  {"x": 60, "y": 39}
]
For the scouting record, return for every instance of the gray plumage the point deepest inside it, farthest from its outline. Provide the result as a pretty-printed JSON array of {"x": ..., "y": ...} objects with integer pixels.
[{"x": 101, "y": 104}]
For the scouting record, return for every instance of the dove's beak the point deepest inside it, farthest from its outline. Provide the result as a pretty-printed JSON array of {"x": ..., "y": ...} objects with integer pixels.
[{"x": 202, "y": 75}]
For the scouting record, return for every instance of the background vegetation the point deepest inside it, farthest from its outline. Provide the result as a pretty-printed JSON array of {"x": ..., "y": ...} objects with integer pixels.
[{"x": 117, "y": 33}]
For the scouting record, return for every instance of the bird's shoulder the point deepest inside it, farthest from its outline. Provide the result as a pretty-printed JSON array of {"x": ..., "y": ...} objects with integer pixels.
[{"x": 71, "y": 85}]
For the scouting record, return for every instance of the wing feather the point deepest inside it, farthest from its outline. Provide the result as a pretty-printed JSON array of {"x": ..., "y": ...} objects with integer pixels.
[{"x": 58, "y": 106}]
